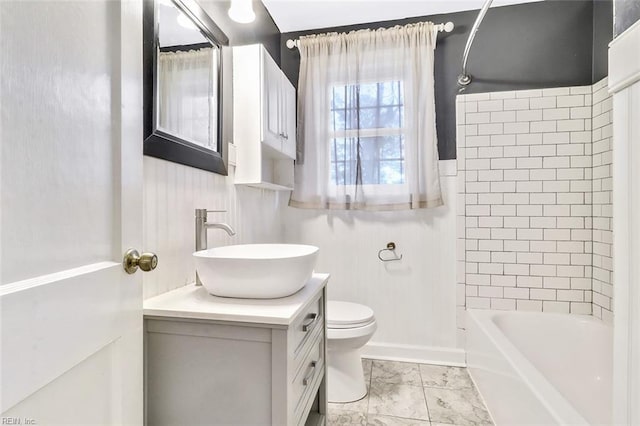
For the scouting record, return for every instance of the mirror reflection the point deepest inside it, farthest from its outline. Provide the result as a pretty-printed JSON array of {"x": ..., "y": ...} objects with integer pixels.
[{"x": 187, "y": 79}]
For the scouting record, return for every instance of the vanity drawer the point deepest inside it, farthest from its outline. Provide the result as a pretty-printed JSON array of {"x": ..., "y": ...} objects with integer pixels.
[
  {"x": 306, "y": 324},
  {"x": 306, "y": 379}
]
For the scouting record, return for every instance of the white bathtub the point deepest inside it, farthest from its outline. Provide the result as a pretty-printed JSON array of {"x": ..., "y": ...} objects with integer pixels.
[{"x": 541, "y": 369}]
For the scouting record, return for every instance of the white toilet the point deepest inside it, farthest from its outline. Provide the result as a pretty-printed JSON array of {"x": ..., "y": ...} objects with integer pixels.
[{"x": 349, "y": 328}]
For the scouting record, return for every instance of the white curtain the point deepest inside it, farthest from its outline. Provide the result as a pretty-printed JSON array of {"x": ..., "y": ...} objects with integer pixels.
[
  {"x": 366, "y": 120},
  {"x": 187, "y": 90}
]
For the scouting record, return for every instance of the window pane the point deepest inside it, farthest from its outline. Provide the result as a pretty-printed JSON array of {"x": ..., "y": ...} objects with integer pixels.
[
  {"x": 351, "y": 119},
  {"x": 389, "y": 118},
  {"x": 338, "y": 150},
  {"x": 368, "y": 118},
  {"x": 381, "y": 160},
  {"x": 370, "y": 173},
  {"x": 338, "y": 122},
  {"x": 368, "y": 95},
  {"x": 367, "y": 106},
  {"x": 369, "y": 153},
  {"x": 392, "y": 148},
  {"x": 391, "y": 93},
  {"x": 392, "y": 172},
  {"x": 338, "y": 97},
  {"x": 343, "y": 161}
]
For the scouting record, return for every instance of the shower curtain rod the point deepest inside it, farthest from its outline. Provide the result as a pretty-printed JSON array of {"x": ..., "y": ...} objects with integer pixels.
[
  {"x": 464, "y": 79},
  {"x": 445, "y": 27}
]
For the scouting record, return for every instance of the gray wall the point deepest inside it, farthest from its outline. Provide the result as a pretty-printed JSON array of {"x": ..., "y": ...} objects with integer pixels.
[
  {"x": 627, "y": 12},
  {"x": 262, "y": 30},
  {"x": 602, "y": 35},
  {"x": 545, "y": 44}
]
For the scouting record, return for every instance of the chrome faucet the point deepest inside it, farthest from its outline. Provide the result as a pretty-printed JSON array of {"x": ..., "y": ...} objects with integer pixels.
[{"x": 201, "y": 231}]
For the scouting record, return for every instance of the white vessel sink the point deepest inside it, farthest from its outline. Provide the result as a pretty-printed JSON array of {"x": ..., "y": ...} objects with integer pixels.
[{"x": 256, "y": 271}]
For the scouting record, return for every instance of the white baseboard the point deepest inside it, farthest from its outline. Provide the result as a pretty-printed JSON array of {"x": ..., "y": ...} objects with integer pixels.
[{"x": 412, "y": 353}]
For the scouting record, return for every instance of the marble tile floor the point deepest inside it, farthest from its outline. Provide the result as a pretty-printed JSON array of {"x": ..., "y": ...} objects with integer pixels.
[{"x": 402, "y": 393}]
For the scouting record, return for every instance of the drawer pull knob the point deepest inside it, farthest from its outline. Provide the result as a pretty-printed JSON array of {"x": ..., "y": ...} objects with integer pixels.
[
  {"x": 309, "y": 322},
  {"x": 312, "y": 370}
]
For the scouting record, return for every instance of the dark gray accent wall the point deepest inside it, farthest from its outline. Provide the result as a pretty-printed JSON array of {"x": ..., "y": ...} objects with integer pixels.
[
  {"x": 627, "y": 12},
  {"x": 535, "y": 45},
  {"x": 262, "y": 30},
  {"x": 602, "y": 36}
]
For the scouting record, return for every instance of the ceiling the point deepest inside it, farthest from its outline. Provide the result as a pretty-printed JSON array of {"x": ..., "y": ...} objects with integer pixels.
[{"x": 299, "y": 15}]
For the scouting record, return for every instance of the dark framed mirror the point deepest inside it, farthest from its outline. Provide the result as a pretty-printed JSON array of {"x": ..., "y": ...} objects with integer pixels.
[{"x": 183, "y": 82}]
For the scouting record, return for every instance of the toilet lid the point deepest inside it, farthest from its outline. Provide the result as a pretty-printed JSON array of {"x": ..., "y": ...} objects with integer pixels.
[{"x": 347, "y": 314}]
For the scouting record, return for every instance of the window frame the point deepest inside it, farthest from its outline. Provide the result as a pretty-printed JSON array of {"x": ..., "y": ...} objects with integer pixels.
[{"x": 380, "y": 188}]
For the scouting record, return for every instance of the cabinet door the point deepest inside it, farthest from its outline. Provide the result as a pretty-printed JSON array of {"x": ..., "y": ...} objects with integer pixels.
[
  {"x": 289, "y": 118},
  {"x": 271, "y": 89}
]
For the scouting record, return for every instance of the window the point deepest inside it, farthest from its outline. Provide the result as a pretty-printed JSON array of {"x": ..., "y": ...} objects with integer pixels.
[
  {"x": 366, "y": 123},
  {"x": 367, "y": 128}
]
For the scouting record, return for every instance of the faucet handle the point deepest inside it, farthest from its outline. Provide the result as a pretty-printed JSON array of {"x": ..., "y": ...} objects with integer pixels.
[{"x": 203, "y": 212}]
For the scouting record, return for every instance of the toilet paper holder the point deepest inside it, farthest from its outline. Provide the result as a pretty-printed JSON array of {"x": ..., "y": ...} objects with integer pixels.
[{"x": 391, "y": 247}]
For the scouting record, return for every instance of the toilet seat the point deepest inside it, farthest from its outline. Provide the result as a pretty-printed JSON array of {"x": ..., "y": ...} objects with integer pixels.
[
  {"x": 353, "y": 333},
  {"x": 348, "y": 315}
]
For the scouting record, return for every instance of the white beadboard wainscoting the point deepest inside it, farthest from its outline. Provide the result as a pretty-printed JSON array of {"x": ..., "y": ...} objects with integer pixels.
[
  {"x": 414, "y": 300},
  {"x": 171, "y": 194}
]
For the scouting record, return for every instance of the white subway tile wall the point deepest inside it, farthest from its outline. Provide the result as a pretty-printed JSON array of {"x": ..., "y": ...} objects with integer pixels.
[
  {"x": 534, "y": 183},
  {"x": 602, "y": 202}
]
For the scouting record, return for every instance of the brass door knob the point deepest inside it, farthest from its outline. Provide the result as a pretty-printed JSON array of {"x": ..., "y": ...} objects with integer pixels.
[{"x": 132, "y": 260}]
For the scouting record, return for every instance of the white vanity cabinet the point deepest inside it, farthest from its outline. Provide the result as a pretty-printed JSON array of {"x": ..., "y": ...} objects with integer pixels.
[
  {"x": 220, "y": 361},
  {"x": 264, "y": 120}
]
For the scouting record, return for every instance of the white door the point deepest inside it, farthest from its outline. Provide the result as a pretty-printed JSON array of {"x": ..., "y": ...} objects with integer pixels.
[{"x": 70, "y": 194}]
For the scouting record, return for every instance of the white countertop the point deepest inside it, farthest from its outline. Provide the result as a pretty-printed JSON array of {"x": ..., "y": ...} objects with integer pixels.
[{"x": 195, "y": 303}]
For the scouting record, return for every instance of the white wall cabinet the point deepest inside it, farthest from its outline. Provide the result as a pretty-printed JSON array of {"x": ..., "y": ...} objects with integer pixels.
[
  {"x": 221, "y": 361},
  {"x": 289, "y": 116},
  {"x": 264, "y": 120}
]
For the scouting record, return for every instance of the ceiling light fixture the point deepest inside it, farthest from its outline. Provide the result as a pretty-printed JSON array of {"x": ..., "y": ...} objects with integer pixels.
[{"x": 241, "y": 11}]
